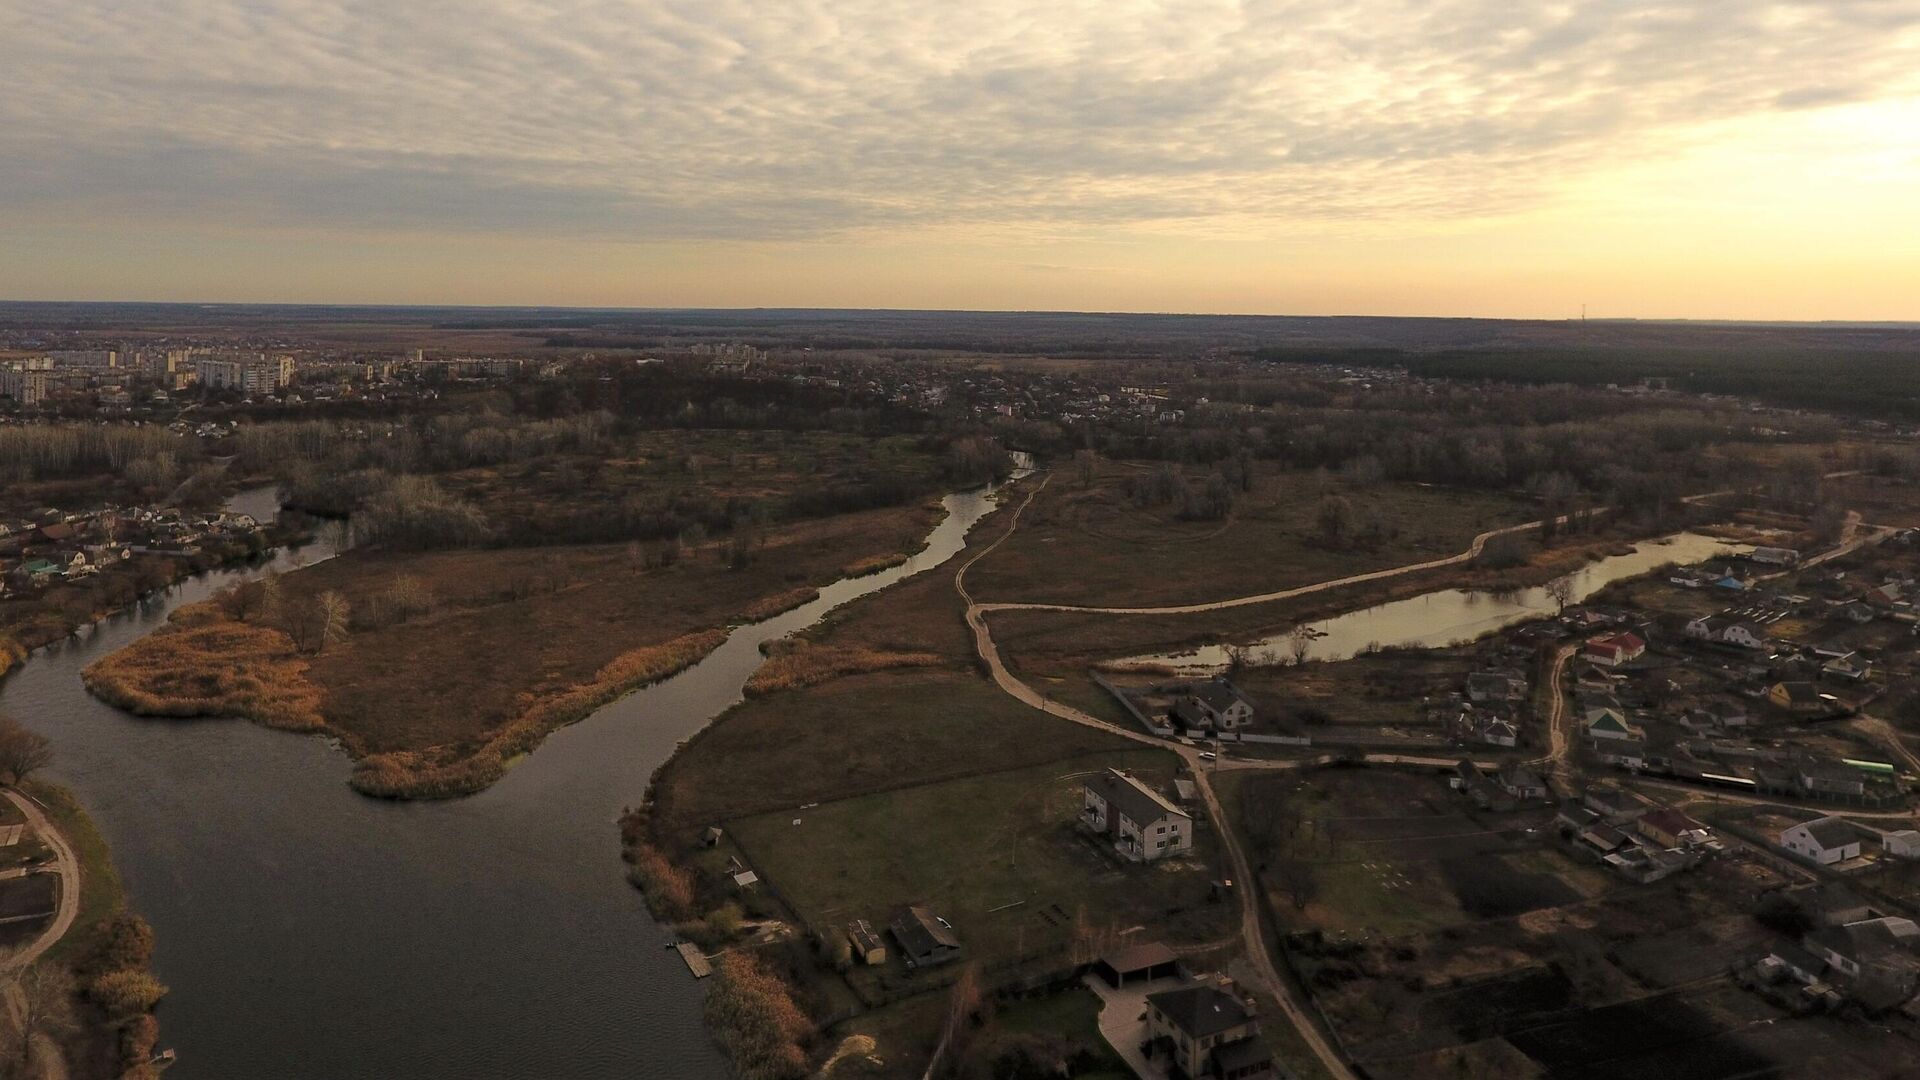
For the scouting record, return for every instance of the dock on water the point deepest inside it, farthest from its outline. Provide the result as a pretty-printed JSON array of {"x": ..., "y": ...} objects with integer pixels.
[{"x": 696, "y": 960}]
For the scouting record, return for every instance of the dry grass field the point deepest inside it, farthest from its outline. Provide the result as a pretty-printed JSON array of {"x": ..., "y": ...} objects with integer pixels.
[
  {"x": 1093, "y": 544},
  {"x": 505, "y": 646}
]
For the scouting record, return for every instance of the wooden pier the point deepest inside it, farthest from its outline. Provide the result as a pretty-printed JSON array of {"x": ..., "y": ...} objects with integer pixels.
[{"x": 696, "y": 960}]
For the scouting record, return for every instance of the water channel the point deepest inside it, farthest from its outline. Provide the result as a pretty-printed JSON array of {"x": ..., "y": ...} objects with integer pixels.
[
  {"x": 1448, "y": 616},
  {"x": 307, "y": 931}
]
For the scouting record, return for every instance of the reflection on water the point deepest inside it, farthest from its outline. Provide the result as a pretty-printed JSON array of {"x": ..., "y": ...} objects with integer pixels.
[
  {"x": 1449, "y": 616},
  {"x": 310, "y": 932}
]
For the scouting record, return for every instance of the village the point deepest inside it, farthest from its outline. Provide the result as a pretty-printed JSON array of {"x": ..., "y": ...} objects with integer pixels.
[{"x": 61, "y": 568}]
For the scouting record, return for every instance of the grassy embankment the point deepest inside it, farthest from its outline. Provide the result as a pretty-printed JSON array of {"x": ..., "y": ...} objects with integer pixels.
[
  {"x": 915, "y": 780},
  {"x": 1093, "y": 544},
  {"x": 572, "y": 628},
  {"x": 1063, "y": 645},
  {"x": 108, "y": 953}
]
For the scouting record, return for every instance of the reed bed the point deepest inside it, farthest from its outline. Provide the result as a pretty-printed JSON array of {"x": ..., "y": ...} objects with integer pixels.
[
  {"x": 447, "y": 772},
  {"x": 803, "y": 664},
  {"x": 201, "y": 664},
  {"x": 768, "y": 606}
]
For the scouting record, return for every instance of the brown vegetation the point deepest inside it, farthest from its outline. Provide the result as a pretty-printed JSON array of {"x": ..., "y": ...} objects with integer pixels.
[
  {"x": 873, "y": 565},
  {"x": 769, "y": 606},
  {"x": 754, "y": 1017},
  {"x": 801, "y": 663},
  {"x": 204, "y": 663},
  {"x": 422, "y": 774}
]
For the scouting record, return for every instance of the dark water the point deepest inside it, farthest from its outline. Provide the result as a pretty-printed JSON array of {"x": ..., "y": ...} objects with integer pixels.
[{"x": 309, "y": 932}]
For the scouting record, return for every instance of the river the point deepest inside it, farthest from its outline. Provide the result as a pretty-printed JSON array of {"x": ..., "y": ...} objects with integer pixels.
[
  {"x": 307, "y": 931},
  {"x": 1447, "y": 616}
]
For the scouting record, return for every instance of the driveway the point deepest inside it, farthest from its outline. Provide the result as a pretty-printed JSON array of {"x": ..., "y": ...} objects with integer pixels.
[{"x": 1122, "y": 1021}]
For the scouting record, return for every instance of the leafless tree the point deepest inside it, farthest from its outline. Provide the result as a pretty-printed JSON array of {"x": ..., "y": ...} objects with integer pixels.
[
  {"x": 1300, "y": 642},
  {"x": 45, "y": 1008},
  {"x": 22, "y": 752},
  {"x": 332, "y": 613},
  {"x": 1296, "y": 878},
  {"x": 1560, "y": 591}
]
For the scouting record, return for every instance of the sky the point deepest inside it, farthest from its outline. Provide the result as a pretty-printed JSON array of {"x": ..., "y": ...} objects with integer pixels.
[{"x": 1649, "y": 158}]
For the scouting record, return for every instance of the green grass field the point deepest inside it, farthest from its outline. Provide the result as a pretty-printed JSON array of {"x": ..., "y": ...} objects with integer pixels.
[
  {"x": 855, "y": 736},
  {"x": 999, "y": 856}
]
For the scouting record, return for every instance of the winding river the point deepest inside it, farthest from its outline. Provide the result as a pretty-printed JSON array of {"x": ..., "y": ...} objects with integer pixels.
[{"x": 309, "y": 932}]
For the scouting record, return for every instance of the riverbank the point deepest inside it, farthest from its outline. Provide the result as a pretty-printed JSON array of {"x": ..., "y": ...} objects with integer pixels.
[
  {"x": 84, "y": 989},
  {"x": 559, "y": 632}
]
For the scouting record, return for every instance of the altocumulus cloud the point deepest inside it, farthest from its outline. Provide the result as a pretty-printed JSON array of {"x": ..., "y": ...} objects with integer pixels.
[{"x": 644, "y": 119}]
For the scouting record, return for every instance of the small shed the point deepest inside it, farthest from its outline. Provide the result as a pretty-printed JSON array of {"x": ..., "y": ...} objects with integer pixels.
[
  {"x": 1137, "y": 963},
  {"x": 867, "y": 946}
]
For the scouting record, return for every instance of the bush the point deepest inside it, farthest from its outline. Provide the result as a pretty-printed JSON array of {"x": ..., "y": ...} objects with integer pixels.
[
  {"x": 753, "y": 1015},
  {"x": 126, "y": 994}
]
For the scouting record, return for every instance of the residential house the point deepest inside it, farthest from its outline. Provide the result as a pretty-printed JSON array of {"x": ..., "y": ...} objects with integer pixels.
[
  {"x": 1144, "y": 826},
  {"x": 1521, "y": 782},
  {"x": 1606, "y": 722},
  {"x": 1826, "y": 840},
  {"x": 1468, "y": 778},
  {"x": 1849, "y": 668},
  {"x": 1869, "y": 946},
  {"x": 1626, "y": 753},
  {"x": 1801, "y": 698},
  {"x": 1720, "y": 630},
  {"x": 1615, "y": 650},
  {"x": 1775, "y": 556},
  {"x": 1205, "y": 1030},
  {"x": 1858, "y": 612},
  {"x": 1498, "y": 732},
  {"x": 1220, "y": 704},
  {"x": 1496, "y": 685},
  {"x": 923, "y": 937},
  {"x": 1670, "y": 828}
]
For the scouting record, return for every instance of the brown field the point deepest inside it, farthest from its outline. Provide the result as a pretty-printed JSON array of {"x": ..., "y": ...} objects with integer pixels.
[
  {"x": 852, "y": 737},
  {"x": 515, "y": 643},
  {"x": 1090, "y": 544},
  {"x": 1064, "y": 644},
  {"x": 204, "y": 664},
  {"x": 802, "y": 664}
]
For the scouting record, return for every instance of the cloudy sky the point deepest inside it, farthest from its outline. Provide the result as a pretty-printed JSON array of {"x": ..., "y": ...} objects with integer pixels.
[{"x": 1710, "y": 158}]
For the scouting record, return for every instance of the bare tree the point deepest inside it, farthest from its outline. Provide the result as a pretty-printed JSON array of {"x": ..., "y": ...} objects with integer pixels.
[
  {"x": 1560, "y": 590},
  {"x": 963, "y": 1005},
  {"x": 44, "y": 1008},
  {"x": 1296, "y": 878},
  {"x": 1300, "y": 641},
  {"x": 1335, "y": 518},
  {"x": 22, "y": 752},
  {"x": 332, "y": 613}
]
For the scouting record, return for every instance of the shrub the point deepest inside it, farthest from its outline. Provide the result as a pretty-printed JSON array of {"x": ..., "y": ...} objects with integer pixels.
[
  {"x": 756, "y": 1021},
  {"x": 125, "y": 994}
]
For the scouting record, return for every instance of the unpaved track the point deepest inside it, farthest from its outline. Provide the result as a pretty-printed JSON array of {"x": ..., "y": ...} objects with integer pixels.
[
  {"x": 52, "y": 1062},
  {"x": 1252, "y": 929},
  {"x": 1252, "y": 932},
  {"x": 68, "y": 868}
]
